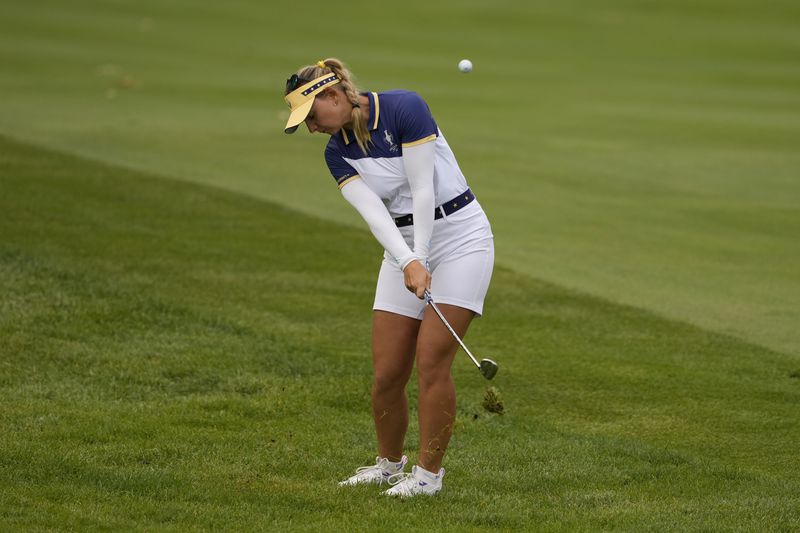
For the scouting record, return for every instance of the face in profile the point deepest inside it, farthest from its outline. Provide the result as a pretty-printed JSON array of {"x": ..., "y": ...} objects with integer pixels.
[{"x": 329, "y": 113}]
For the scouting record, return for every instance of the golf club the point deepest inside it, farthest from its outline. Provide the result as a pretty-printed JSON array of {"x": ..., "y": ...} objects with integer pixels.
[{"x": 487, "y": 367}]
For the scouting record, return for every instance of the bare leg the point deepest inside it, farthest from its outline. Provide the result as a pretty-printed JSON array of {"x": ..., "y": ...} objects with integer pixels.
[
  {"x": 393, "y": 339},
  {"x": 436, "y": 349}
]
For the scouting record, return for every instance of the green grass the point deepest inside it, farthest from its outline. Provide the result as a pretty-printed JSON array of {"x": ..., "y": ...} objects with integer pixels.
[
  {"x": 642, "y": 152},
  {"x": 174, "y": 356},
  {"x": 185, "y": 298}
]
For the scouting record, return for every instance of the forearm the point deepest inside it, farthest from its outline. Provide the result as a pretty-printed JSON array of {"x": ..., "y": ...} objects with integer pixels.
[
  {"x": 380, "y": 223},
  {"x": 419, "y": 163}
]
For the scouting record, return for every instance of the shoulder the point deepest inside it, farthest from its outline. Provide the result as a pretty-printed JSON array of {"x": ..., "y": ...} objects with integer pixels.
[
  {"x": 403, "y": 105},
  {"x": 335, "y": 153},
  {"x": 408, "y": 115},
  {"x": 334, "y": 148}
]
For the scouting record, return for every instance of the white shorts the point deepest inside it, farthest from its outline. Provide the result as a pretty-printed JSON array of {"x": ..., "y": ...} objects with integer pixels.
[{"x": 461, "y": 262}]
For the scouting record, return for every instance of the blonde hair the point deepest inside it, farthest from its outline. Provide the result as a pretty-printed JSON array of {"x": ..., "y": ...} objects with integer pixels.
[{"x": 351, "y": 92}]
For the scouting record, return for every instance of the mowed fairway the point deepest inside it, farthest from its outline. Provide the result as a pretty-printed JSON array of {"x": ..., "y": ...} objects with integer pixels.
[
  {"x": 185, "y": 297},
  {"x": 175, "y": 356},
  {"x": 643, "y": 152}
]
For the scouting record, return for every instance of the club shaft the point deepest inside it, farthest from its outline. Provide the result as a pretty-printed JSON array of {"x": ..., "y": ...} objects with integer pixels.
[{"x": 452, "y": 331}]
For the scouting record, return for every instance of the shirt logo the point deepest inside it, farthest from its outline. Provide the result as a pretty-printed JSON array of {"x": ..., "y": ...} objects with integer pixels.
[{"x": 389, "y": 141}]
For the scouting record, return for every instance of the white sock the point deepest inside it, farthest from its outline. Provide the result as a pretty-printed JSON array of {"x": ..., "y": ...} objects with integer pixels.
[
  {"x": 396, "y": 465},
  {"x": 430, "y": 475}
]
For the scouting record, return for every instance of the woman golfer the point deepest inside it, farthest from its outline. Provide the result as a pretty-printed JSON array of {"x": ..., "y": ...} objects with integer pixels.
[{"x": 392, "y": 163}]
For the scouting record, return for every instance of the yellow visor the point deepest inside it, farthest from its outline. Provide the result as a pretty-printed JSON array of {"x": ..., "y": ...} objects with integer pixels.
[{"x": 301, "y": 99}]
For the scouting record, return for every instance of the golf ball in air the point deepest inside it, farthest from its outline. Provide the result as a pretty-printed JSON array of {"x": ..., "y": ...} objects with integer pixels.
[{"x": 465, "y": 65}]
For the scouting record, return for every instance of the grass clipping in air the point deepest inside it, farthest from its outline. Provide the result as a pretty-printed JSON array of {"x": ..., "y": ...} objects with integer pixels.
[{"x": 492, "y": 401}]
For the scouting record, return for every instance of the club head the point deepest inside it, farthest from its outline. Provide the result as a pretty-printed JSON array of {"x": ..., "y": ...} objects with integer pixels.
[{"x": 488, "y": 368}]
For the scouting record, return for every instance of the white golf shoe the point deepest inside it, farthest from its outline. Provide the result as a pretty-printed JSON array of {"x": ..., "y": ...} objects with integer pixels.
[
  {"x": 419, "y": 481},
  {"x": 379, "y": 473}
]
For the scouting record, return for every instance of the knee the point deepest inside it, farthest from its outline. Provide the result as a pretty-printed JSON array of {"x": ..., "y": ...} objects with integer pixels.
[
  {"x": 386, "y": 383},
  {"x": 432, "y": 371}
]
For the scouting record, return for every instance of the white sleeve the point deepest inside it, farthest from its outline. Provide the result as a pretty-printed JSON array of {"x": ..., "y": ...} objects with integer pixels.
[
  {"x": 418, "y": 163},
  {"x": 374, "y": 213}
]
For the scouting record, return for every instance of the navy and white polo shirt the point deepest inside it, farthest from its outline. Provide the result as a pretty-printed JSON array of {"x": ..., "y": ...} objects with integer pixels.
[{"x": 397, "y": 119}]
